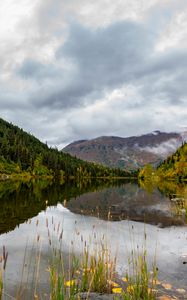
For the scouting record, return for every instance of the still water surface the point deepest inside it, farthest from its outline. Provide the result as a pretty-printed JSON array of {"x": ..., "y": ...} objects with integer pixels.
[{"x": 121, "y": 211}]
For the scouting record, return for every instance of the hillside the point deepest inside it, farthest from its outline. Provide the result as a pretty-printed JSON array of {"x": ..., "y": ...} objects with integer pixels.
[
  {"x": 175, "y": 166},
  {"x": 21, "y": 152},
  {"x": 129, "y": 153}
]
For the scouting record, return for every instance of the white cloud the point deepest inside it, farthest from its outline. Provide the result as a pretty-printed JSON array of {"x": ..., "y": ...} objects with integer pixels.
[
  {"x": 104, "y": 12},
  {"x": 164, "y": 148},
  {"x": 175, "y": 33},
  {"x": 11, "y": 13}
]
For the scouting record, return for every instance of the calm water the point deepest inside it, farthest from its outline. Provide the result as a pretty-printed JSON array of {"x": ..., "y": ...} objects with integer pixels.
[{"x": 118, "y": 210}]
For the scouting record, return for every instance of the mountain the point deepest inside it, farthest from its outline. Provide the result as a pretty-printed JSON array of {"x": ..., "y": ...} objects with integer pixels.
[
  {"x": 127, "y": 153},
  {"x": 21, "y": 152}
]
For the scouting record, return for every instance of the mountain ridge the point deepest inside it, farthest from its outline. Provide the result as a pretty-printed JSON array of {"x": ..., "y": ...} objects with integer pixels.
[{"x": 127, "y": 152}]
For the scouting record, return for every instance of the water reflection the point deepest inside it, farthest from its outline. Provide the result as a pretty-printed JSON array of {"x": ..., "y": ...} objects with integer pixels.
[
  {"x": 20, "y": 201},
  {"x": 129, "y": 201},
  {"x": 111, "y": 200}
]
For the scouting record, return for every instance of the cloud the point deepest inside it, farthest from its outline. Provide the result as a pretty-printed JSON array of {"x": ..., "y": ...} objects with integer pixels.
[
  {"x": 79, "y": 69},
  {"x": 35, "y": 70},
  {"x": 93, "y": 61},
  {"x": 165, "y": 76},
  {"x": 164, "y": 148},
  {"x": 89, "y": 62},
  {"x": 112, "y": 53}
]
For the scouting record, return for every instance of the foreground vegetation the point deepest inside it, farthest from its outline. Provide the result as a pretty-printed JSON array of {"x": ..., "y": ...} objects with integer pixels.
[
  {"x": 22, "y": 154},
  {"x": 74, "y": 276},
  {"x": 96, "y": 273}
]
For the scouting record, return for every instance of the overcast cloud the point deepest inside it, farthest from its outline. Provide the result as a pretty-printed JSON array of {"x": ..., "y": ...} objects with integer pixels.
[{"x": 76, "y": 69}]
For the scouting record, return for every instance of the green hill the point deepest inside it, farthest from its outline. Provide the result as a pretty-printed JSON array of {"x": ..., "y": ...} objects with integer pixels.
[
  {"x": 21, "y": 152},
  {"x": 175, "y": 166}
]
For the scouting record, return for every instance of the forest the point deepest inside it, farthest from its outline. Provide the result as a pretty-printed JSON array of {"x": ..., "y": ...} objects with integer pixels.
[
  {"x": 174, "y": 167},
  {"x": 22, "y": 153}
]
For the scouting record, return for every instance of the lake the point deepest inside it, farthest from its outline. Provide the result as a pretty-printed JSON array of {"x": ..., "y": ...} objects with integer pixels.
[{"x": 34, "y": 213}]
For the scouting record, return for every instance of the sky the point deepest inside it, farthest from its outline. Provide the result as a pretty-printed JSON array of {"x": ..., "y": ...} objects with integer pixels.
[{"x": 79, "y": 69}]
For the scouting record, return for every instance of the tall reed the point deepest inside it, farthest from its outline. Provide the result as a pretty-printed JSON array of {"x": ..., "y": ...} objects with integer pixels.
[
  {"x": 1, "y": 285},
  {"x": 93, "y": 269},
  {"x": 3, "y": 263}
]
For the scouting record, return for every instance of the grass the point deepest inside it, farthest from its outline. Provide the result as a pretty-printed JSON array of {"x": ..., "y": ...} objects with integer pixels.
[{"x": 97, "y": 273}]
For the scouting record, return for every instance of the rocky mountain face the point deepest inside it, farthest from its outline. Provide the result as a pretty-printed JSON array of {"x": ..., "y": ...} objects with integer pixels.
[{"x": 131, "y": 152}]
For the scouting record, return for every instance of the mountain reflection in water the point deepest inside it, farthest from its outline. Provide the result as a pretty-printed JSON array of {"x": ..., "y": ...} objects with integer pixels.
[
  {"x": 129, "y": 201},
  {"x": 113, "y": 200}
]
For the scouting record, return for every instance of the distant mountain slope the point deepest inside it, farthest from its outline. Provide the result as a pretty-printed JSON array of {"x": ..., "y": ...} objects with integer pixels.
[
  {"x": 131, "y": 153},
  {"x": 22, "y": 152}
]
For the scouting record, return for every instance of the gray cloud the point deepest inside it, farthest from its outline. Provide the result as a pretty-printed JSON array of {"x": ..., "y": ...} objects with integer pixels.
[
  {"x": 165, "y": 76},
  {"x": 31, "y": 69},
  {"x": 109, "y": 56},
  {"x": 104, "y": 59},
  {"x": 101, "y": 59}
]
